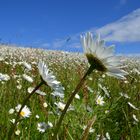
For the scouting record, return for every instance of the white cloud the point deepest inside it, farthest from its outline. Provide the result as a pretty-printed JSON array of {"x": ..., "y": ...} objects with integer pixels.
[{"x": 127, "y": 29}]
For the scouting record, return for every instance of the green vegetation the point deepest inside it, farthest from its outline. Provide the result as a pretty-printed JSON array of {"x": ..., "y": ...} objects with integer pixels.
[{"x": 117, "y": 116}]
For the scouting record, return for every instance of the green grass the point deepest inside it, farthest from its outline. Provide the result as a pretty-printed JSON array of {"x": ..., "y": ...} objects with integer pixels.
[{"x": 118, "y": 120}]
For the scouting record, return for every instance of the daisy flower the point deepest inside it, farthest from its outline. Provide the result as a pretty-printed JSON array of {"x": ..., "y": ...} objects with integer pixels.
[
  {"x": 45, "y": 105},
  {"x": 101, "y": 57},
  {"x": 60, "y": 105},
  {"x": 77, "y": 96},
  {"x": 50, "y": 124},
  {"x": 4, "y": 77},
  {"x": 42, "y": 126},
  {"x": 17, "y": 132},
  {"x": 25, "y": 112},
  {"x": 27, "y": 66},
  {"x": 37, "y": 116},
  {"x": 100, "y": 101},
  {"x": 48, "y": 76},
  {"x": 19, "y": 86},
  {"x": 11, "y": 111},
  {"x": 28, "y": 78},
  {"x": 12, "y": 121}
]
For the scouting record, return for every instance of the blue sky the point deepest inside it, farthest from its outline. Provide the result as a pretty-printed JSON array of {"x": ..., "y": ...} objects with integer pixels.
[{"x": 57, "y": 24}]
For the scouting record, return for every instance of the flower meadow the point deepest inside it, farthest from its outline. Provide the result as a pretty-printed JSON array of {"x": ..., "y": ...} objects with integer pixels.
[{"x": 56, "y": 95}]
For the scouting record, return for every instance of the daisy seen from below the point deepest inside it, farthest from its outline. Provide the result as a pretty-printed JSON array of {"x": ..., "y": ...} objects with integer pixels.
[
  {"x": 101, "y": 57},
  {"x": 48, "y": 76}
]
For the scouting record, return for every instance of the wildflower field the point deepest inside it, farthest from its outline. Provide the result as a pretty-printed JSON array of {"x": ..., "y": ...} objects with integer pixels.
[{"x": 104, "y": 108}]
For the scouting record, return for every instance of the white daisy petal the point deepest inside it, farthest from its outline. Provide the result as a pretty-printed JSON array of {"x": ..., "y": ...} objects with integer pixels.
[
  {"x": 118, "y": 76},
  {"x": 131, "y": 105},
  {"x": 117, "y": 71},
  {"x": 135, "y": 118},
  {"x": 108, "y": 52}
]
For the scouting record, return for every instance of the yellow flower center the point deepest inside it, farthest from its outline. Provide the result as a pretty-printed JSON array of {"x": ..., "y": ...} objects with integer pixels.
[
  {"x": 98, "y": 101},
  {"x": 96, "y": 63},
  {"x": 22, "y": 113}
]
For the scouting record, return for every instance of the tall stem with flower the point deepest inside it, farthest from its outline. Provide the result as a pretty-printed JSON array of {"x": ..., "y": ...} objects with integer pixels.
[
  {"x": 47, "y": 78},
  {"x": 100, "y": 58}
]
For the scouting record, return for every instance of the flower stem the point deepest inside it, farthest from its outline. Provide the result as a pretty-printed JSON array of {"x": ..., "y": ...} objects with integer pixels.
[
  {"x": 78, "y": 87},
  {"x": 10, "y": 134}
]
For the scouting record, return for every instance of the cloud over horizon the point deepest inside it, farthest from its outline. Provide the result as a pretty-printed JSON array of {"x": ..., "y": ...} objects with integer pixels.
[{"x": 126, "y": 29}]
